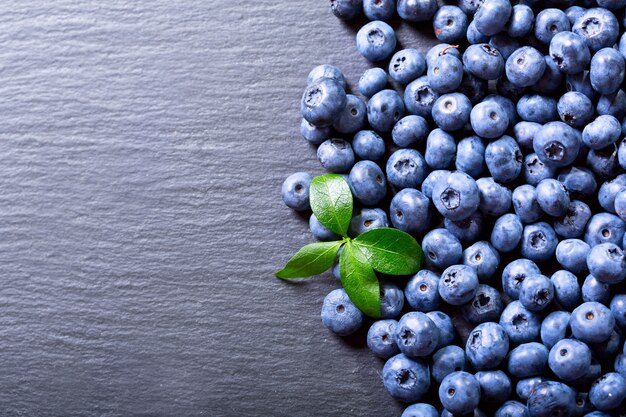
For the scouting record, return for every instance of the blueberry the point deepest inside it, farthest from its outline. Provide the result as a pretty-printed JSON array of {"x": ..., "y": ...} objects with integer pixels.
[
  {"x": 379, "y": 9},
  {"x": 380, "y": 338},
  {"x": 609, "y": 190},
  {"x": 352, "y": 118},
  {"x": 495, "y": 387},
  {"x": 608, "y": 392},
  {"x": 339, "y": 314},
  {"x": 620, "y": 204},
  {"x": 599, "y": 27},
  {"x": 456, "y": 196},
  {"x": 504, "y": 44},
  {"x": 445, "y": 74},
  {"x": 336, "y": 155},
  {"x": 506, "y": 233},
  {"x": 314, "y": 134},
  {"x": 528, "y": 359},
  {"x": 519, "y": 323},
  {"x": 618, "y": 309},
  {"x": 420, "y": 410},
  {"x": 487, "y": 346},
  {"x": 602, "y": 132},
  {"x": 474, "y": 36},
  {"x": 372, "y": 81},
  {"x": 521, "y": 22},
  {"x": 367, "y": 182},
  {"x": 321, "y": 232},
  {"x": 368, "y": 219},
  {"x": 440, "y": 49},
  {"x": 555, "y": 327},
  {"x": 441, "y": 248},
  {"x": 419, "y": 97},
  {"x": 572, "y": 223},
  {"x": 459, "y": 392},
  {"x": 592, "y": 322},
  {"x": 470, "y": 156},
  {"x": 548, "y": 23},
  {"x": 451, "y": 111},
  {"x": 537, "y": 108},
  {"x": 368, "y": 145},
  {"x": 594, "y": 290},
  {"x": 556, "y": 144},
  {"x": 573, "y": 13},
  {"x": 440, "y": 149},
  {"x": 391, "y": 300},
  {"x": 326, "y": 71},
  {"x": 524, "y": 199},
  {"x": 433, "y": 178},
  {"x": 469, "y": 7},
  {"x": 512, "y": 409},
  {"x": 552, "y": 197},
  {"x": 613, "y": 104},
  {"x": 538, "y": 242},
  {"x": 526, "y": 386},
  {"x": 384, "y": 110},
  {"x": 417, "y": 10},
  {"x": 604, "y": 162},
  {"x": 406, "y": 65},
  {"x": 551, "y": 80},
  {"x": 410, "y": 211},
  {"x": 483, "y": 61},
  {"x": 612, "y": 4},
  {"x": 295, "y": 191},
  {"x": 569, "y": 52},
  {"x": 489, "y": 120},
  {"x": 483, "y": 257},
  {"x": 447, "y": 360},
  {"x": 569, "y": 358},
  {"x": 566, "y": 288},
  {"x": 524, "y": 133},
  {"x": 346, "y": 9},
  {"x": 504, "y": 159},
  {"x": 604, "y": 228},
  {"x": 495, "y": 199},
  {"x": 575, "y": 109},
  {"x": 508, "y": 106},
  {"x": 551, "y": 399},
  {"x": 450, "y": 24},
  {"x": 606, "y": 262},
  {"x": 422, "y": 291},
  {"x": 376, "y": 41},
  {"x": 458, "y": 284},
  {"x": 409, "y": 130},
  {"x": 535, "y": 171},
  {"x": 323, "y": 102},
  {"x": 579, "y": 181},
  {"x": 492, "y": 16},
  {"x": 446, "y": 328},
  {"x": 406, "y": 379},
  {"x": 607, "y": 70},
  {"x": 416, "y": 334},
  {"x": 536, "y": 292},
  {"x": 608, "y": 348},
  {"x": 406, "y": 168},
  {"x": 485, "y": 306},
  {"x": 467, "y": 230},
  {"x": 525, "y": 66}
]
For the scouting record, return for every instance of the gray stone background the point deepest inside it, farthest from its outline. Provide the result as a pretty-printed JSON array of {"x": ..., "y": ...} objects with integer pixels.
[{"x": 142, "y": 149}]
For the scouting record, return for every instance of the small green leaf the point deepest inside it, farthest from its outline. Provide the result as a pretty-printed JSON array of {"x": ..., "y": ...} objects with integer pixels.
[
  {"x": 312, "y": 259},
  {"x": 390, "y": 251},
  {"x": 331, "y": 202},
  {"x": 359, "y": 280}
]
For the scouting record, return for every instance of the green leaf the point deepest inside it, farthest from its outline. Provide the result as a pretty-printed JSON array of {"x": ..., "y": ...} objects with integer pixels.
[
  {"x": 312, "y": 259},
  {"x": 331, "y": 202},
  {"x": 359, "y": 280},
  {"x": 390, "y": 251}
]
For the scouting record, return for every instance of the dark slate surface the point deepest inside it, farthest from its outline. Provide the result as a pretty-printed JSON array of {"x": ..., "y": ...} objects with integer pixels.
[{"x": 142, "y": 149}]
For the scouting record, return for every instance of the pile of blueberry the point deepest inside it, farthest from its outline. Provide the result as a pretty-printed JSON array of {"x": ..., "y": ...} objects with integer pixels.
[{"x": 501, "y": 150}]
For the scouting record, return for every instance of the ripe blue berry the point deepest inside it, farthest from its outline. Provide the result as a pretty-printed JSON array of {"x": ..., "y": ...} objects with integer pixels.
[
  {"x": 295, "y": 191},
  {"x": 406, "y": 379},
  {"x": 376, "y": 41},
  {"x": 339, "y": 314}
]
